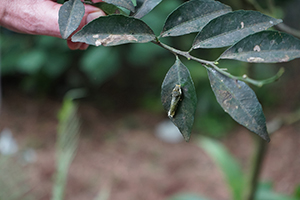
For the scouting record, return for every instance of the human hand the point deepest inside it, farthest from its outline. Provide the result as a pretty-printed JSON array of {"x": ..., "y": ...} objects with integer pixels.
[{"x": 40, "y": 17}]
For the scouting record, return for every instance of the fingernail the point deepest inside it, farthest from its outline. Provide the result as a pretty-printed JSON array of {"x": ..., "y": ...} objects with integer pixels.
[{"x": 94, "y": 15}]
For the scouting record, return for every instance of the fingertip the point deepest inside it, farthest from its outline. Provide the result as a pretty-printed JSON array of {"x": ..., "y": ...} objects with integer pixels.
[
  {"x": 83, "y": 46},
  {"x": 73, "y": 45}
]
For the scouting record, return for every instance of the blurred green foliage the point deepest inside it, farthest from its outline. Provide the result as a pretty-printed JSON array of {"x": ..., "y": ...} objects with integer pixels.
[
  {"x": 44, "y": 65},
  {"x": 234, "y": 177}
]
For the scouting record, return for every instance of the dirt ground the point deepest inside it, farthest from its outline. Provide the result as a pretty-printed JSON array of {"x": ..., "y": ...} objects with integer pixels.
[{"x": 120, "y": 154}]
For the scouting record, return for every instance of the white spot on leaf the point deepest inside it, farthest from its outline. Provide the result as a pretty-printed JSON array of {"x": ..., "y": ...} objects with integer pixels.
[
  {"x": 96, "y": 36},
  {"x": 256, "y": 48},
  {"x": 242, "y": 25},
  {"x": 98, "y": 42},
  {"x": 255, "y": 59},
  {"x": 285, "y": 59},
  {"x": 115, "y": 39}
]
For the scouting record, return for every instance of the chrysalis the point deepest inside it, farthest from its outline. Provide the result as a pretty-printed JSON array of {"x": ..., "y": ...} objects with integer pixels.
[{"x": 176, "y": 95}]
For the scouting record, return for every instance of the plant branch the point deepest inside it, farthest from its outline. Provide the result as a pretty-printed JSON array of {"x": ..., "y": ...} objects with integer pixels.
[
  {"x": 258, "y": 157},
  {"x": 256, "y": 5},
  {"x": 245, "y": 78},
  {"x": 289, "y": 29}
]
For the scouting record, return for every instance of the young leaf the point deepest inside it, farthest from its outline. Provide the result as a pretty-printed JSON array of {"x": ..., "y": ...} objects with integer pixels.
[
  {"x": 227, "y": 29},
  {"x": 143, "y": 7},
  {"x": 239, "y": 101},
  {"x": 185, "y": 111},
  {"x": 114, "y": 30},
  {"x": 69, "y": 17},
  {"x": 122, "y": 3},
  {"x": 229, "y": 166},
  {"x": 265, "y": 47},
  {"x": 192, "y": 16}
]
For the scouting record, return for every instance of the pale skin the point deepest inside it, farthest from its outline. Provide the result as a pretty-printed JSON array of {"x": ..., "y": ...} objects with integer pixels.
[{"x": 40, "y": 17}]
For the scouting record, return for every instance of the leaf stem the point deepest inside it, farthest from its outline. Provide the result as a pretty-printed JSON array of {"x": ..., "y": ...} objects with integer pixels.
[{"x": 245, "y": 78}]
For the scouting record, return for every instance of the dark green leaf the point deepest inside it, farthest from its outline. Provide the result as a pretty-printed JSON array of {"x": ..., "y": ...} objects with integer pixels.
[
  {"x": 122, "y": 3},
  {"x": 265, "y": 47},
  {"x": 229, "y": 166},
  {"x": 114, "y": 30},
  {"x": 297, "y": 192},
  {"x": 69, "y": 17},
  {"x": 239, "y": 101},
  {"x": 232, "y": 27},
  {"x": 109, "y": 9},
  {"x": 185, "y": 112},
  {"x": 192, "y": 16},
  {"x": 143, "y": 7}
]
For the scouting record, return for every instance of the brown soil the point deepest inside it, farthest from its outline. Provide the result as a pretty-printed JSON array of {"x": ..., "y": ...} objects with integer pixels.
[{"x": 120, "y": 154}]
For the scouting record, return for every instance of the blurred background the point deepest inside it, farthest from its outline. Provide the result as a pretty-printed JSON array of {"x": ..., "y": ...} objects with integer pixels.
[{"x": 123, "y": 151}]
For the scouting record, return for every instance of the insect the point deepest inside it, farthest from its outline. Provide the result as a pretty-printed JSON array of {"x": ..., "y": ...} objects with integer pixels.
[{"x": 176, "y": 96}]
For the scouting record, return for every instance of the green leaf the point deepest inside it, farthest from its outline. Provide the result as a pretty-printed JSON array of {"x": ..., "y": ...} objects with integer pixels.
[
  {"x": 192, "y": 16},
  {"x": 143, "y": 7},
  {"x": 99, "y": 64},
  {"x": 187, "y": 196},
  {"x": 232, "y": 27},
  {"x": 265, "y": 192},
  {"x": 32, "y": 61},
  {"x": 229, "y": 166},
  {"x": 122, "y": 3},
  {"x": 239, "y": 101},
  {"x": 297, "y": 192},
  {"x": 114, "y": 30},
  {"x": 265, "y": 47},
  {"x": 67, "y": 141},
  {"x": 109, "y": 9},
  {"x": 185, "y": 112},
  {"x": 69, "y": 17}
]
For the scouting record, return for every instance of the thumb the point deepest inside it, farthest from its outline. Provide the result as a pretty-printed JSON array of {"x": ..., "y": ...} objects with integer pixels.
[{"x": 91, "y": 16}]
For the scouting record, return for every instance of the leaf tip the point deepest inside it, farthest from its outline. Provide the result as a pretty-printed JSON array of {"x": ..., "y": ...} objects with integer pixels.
[
  {"x": 186, "y": 138},
  {"x": 266, "y": 138}
]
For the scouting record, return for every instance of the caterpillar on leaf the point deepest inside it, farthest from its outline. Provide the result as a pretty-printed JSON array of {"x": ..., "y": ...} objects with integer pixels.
[{"x": 176, "y": 96}]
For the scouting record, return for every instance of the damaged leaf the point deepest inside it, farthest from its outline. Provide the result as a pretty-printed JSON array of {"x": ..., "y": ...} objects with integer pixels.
[
  {"x": 265, "y": 47},
  {"x": 192, "y": 16},
  {"x": 114, "y": 30},
  {"x": 69, "y": 17},
  {"x": 239, "y": 101},
  {"x": 184, "y": 104},
  {"x": 227, "y": 29}
]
